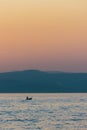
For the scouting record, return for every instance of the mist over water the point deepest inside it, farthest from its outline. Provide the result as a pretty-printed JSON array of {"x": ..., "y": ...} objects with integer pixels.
[{"x": 43, "y": 112}]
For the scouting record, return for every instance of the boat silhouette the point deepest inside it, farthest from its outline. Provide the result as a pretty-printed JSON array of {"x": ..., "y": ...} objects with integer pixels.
[{"x": 27, "y": 98}]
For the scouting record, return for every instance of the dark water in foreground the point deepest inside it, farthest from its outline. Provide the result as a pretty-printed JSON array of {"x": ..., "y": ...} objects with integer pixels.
[{"x": 44, "y": 112}]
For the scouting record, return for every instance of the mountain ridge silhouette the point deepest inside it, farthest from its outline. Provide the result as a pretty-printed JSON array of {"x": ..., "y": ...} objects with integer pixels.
[{"x": 37, "y": 81}]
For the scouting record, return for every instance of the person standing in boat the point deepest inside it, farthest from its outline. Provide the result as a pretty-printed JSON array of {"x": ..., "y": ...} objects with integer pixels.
[{"x": 27, "y": 98}]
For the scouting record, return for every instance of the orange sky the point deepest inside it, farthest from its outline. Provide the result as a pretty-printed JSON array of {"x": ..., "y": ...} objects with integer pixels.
[{"x": 43, "y": 34}]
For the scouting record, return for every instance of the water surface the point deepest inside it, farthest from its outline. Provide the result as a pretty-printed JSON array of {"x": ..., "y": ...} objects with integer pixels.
[{"x": 44, "y": 112}]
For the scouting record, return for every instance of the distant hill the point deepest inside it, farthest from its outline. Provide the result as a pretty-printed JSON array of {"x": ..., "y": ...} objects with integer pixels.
[{"x": 36, "y": 81}]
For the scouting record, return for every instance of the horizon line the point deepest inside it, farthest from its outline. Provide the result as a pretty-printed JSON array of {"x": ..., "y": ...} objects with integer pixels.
[{"x": 50, "y": 71}]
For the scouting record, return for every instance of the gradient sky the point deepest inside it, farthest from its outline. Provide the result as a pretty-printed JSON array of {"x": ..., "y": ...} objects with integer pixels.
[{"x": 43, "y": 34}]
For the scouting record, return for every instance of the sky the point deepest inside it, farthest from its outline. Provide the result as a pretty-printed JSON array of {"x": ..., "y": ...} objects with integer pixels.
[{"x": 43, "y": 34}]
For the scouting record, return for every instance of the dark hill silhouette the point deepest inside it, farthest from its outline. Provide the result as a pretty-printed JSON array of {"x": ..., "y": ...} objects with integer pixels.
[{"x": 40, "y": 81}]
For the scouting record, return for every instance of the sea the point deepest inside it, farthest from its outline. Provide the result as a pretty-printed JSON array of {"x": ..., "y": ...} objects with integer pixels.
[{"x": 60, "y": 111}]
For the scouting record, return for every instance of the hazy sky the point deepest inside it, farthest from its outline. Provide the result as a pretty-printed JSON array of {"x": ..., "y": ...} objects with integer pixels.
[{"x": 43, "y": 34}]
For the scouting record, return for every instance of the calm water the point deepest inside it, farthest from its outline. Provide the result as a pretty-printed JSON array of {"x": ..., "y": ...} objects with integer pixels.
[{"x": 44, "y": 112}]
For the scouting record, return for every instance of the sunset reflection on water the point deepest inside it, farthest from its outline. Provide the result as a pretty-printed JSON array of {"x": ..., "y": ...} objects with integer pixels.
[{"x": 43, "y": 112}]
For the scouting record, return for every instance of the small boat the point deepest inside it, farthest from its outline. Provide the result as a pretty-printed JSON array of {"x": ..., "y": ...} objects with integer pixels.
[{"x": 27, "y": 98}]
